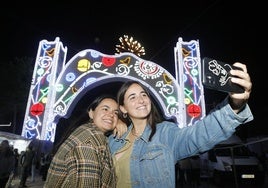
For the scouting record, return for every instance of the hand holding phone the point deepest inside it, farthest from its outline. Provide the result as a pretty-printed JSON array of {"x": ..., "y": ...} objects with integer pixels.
[{"x": 216, "y": 75}]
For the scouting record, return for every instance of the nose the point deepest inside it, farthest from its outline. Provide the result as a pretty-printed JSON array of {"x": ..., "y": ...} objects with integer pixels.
[
  {"x": 140, "y": 99},
  {"x": 110, "y": 113}
]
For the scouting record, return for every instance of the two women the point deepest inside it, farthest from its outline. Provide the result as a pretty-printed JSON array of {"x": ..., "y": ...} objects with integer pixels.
[{"x": 145, "y": 156}]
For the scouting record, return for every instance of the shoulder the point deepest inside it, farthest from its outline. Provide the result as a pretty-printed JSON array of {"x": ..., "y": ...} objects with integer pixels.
[
  {"x": 168, "y": 124},
  {"x": 85, "y": 135},
  {"x": 168, "y": 128},
  {"x": 86, "y": 129}
]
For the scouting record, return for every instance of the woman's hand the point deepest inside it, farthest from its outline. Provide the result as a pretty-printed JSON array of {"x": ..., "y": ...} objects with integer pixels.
[
  {"x": 120, "y": 129},
  {"x": 242, "y": 78}
]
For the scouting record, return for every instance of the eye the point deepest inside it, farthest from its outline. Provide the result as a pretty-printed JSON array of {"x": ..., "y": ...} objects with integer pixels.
[
  {"x": 132, "y": 97},
  {"x": 144, "y": 95},
  {"x": 116, "y": 112},
  {"x": 105, "y": 109}
]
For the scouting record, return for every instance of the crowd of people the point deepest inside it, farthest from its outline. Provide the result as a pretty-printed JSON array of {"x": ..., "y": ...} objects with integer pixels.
[{"x": 21, "y": 166}]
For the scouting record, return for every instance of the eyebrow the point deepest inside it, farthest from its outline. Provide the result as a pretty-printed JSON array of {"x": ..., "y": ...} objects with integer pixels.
[
  {"x": 132, "y": 94},
  {"x": 109, "y": 107}
]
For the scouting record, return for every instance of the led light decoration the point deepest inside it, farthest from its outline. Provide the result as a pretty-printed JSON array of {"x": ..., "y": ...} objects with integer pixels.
[
  {"x": 49, "y": 61},
  {"x": 58, "y": 86},
  {"x": 188, "y": 74},
  {"x": 130, "y": 45}
]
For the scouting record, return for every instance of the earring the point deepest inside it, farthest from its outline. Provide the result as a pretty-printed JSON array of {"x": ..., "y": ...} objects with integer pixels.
[{"x": 125, "y": 115}]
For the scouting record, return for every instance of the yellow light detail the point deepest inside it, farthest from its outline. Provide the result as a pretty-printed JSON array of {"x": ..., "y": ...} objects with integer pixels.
[
  {"x": 83, "y": 65},
  {"x": 167, "y": 79},
  {"x": 50, "y": 53},
  {"x": 187, "y": 101},
  {"x": 125, "y": 61}
]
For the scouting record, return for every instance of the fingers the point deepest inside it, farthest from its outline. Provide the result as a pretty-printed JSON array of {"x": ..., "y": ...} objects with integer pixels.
[
  {"x": 242, "y": 78},
  {"x": 120, "y": 129},
  {"x": 243, "y": 81},
  {"x": 115, "y": 132},
  {"x": 241, "y": 65}
]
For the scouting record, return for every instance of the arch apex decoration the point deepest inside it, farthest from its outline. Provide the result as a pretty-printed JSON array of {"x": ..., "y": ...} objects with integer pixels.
[{"x": 56, "y": 85}]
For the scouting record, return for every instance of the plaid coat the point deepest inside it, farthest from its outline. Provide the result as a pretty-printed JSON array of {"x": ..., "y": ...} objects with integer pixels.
[{"x": 83, "y": 160}]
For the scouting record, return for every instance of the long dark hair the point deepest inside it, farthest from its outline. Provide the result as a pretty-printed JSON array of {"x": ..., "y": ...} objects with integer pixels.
[
  {"x": 82, "y": 119},
  {"x": 153, "y": 118}
]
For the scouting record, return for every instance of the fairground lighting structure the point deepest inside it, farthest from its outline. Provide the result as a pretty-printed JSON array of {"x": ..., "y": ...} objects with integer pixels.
[{"x": 57, "y": 85}]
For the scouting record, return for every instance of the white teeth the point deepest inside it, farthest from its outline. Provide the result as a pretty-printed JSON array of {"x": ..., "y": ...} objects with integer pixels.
[
  {"x": 141, "y": 107},
  {"x": 107, "y": 121}
]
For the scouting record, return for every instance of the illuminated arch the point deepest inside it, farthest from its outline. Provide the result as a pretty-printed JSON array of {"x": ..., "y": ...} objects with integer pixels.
[{"x": 56, "y": 86}]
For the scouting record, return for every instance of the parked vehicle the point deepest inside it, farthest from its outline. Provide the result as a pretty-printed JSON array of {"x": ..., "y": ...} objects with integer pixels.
[{"x": 232, "y": 162}]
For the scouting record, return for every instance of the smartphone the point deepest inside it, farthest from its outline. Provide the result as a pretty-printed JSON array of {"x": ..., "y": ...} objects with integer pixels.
[{"x": 216, "y": 75}]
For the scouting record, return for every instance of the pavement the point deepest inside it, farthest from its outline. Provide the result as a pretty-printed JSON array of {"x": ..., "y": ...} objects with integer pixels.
[
  {"x": 38, "y": 183},
  {"x": 205, "y": 183}
]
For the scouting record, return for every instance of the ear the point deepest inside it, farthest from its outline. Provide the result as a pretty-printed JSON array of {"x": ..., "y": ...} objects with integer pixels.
[
  {"x": 90, "y": 114},
  {"x": 122, "y": 109}
]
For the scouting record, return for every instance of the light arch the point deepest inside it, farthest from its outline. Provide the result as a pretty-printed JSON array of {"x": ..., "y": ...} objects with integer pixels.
[{"x": 57, "y": 86}]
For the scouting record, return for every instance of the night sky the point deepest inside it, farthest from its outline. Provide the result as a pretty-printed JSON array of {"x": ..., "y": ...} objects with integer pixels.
[{"x": 225, "y": 31}]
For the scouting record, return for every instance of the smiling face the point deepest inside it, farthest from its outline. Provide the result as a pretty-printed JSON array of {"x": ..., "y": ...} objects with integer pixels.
[
  {"x": 105, "y": 115},
  {"x": 136, "y": 103}
]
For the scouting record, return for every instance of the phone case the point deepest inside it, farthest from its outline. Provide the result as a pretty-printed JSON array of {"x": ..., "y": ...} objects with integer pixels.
[{"x": 216, "y": 75}]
